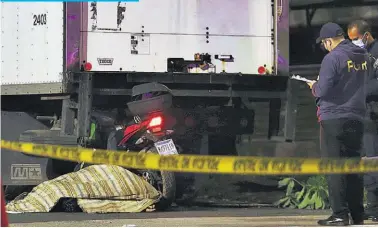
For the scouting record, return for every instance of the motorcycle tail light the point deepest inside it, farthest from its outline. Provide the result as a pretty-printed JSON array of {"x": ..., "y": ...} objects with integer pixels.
[{"x": 156, "y": 122}]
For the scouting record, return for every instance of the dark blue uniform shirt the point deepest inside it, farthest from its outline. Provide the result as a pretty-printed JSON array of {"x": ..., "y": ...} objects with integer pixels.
[
  {"x": 340, "y": 91},
  {"x": 372, "y": 85}
]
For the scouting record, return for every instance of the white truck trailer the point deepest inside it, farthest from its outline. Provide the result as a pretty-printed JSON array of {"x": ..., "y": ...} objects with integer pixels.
[{"x": 62, "y": 61}]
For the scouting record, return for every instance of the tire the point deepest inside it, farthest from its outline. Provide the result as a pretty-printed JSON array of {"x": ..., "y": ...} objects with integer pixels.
[
  {"x": 169, "y": 190},
  {"x": 13, "y": 191},
  {"x": 168, "y": 187}
]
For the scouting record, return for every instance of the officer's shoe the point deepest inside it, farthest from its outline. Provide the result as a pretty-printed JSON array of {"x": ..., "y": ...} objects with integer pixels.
[
  {"x": 335, "y": 221},
  {"x": 374, "y": 219},
  {"x": 357, "y": 222},
  {"x": 357, "y": 219}
]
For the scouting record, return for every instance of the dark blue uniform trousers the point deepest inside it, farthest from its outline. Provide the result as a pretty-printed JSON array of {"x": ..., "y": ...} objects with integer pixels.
[
  {"x": 342, "y": 138},
  {"x": 370, "y": 141}
]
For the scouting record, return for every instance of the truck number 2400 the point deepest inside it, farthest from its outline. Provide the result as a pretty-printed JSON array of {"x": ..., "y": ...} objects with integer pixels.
[{"x": 39, "y": 19}]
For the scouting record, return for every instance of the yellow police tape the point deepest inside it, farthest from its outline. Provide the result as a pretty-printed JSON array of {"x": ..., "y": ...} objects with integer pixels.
[{"x": 196, "y": 163}]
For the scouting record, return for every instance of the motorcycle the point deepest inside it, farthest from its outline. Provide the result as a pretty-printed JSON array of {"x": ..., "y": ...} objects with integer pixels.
[{"x": 150, "y": 131}]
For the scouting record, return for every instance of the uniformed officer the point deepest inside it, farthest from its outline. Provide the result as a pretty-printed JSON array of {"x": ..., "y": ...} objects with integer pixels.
[
  {"x": 341, "y": 109},
  {"x": 360, "y": 33}
]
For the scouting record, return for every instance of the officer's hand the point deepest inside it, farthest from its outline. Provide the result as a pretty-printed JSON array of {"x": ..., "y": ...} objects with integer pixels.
[{"x": 310, "y": 84}]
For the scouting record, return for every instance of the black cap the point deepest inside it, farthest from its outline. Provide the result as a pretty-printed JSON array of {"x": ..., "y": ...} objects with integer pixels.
[{"x": 330, "y": 30}]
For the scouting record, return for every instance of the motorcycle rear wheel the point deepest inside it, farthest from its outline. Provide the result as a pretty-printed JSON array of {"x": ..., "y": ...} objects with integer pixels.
[
  {"x": 168, "y": 179},
  {"x": 168, "y": 190}
]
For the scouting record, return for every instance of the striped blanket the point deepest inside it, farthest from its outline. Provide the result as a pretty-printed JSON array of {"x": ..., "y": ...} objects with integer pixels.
[{"x": 97, "y": 188}]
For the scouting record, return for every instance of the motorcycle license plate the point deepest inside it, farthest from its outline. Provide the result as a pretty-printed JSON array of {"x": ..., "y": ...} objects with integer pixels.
[{"x": 166, "y": 147}]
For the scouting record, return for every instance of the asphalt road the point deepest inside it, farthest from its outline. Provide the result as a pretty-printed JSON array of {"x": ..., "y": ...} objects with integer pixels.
[
  {"x": 194, "y": 216},
  {"x": 178, "y": 217}
]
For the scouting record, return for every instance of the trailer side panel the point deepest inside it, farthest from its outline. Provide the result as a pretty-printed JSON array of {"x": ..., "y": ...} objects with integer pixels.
[
  {"x": 32, "y": 43},
  {"x": 141, "y": 36}
]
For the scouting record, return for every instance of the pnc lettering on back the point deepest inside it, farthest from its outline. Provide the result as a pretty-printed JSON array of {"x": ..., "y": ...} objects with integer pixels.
[{"x": 353, "y": 66}]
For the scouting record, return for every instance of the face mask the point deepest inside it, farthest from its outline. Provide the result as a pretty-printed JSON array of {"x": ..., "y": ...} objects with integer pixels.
[
  {"x": 358, "y": 43},
  {"x": 323, "y": 45},
  {"x": 323, "y": 48}
]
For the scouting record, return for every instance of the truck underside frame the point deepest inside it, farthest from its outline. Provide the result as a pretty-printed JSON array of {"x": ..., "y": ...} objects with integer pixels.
[
  {"x": 246, "y": 88},
  {"x": 87, "y": 88}
]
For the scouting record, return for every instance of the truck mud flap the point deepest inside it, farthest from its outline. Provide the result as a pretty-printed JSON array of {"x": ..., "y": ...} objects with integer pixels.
[
  {"x": 17, "y": 167},
  {"x": 22, "y": 169}
]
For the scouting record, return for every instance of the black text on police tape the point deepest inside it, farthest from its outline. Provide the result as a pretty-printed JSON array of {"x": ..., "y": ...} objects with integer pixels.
[
  {"x": 268, "y": 165},
  {"x": 122, "y": 159},
  {"x": 11, "y": 145},
  {"x": 175, "y": 162},
  {"x": 347, "y": 165},
  {"x": 65, "y": 153}
]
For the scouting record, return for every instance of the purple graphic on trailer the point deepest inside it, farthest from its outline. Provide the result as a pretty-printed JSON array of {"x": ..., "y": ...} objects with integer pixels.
[
  {"x": 73, "y": 24},
  {"x": 283, "y": 36}
]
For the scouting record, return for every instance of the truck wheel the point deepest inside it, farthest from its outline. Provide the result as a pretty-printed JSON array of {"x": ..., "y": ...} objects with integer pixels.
[{"x": 12, "y": 191}]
